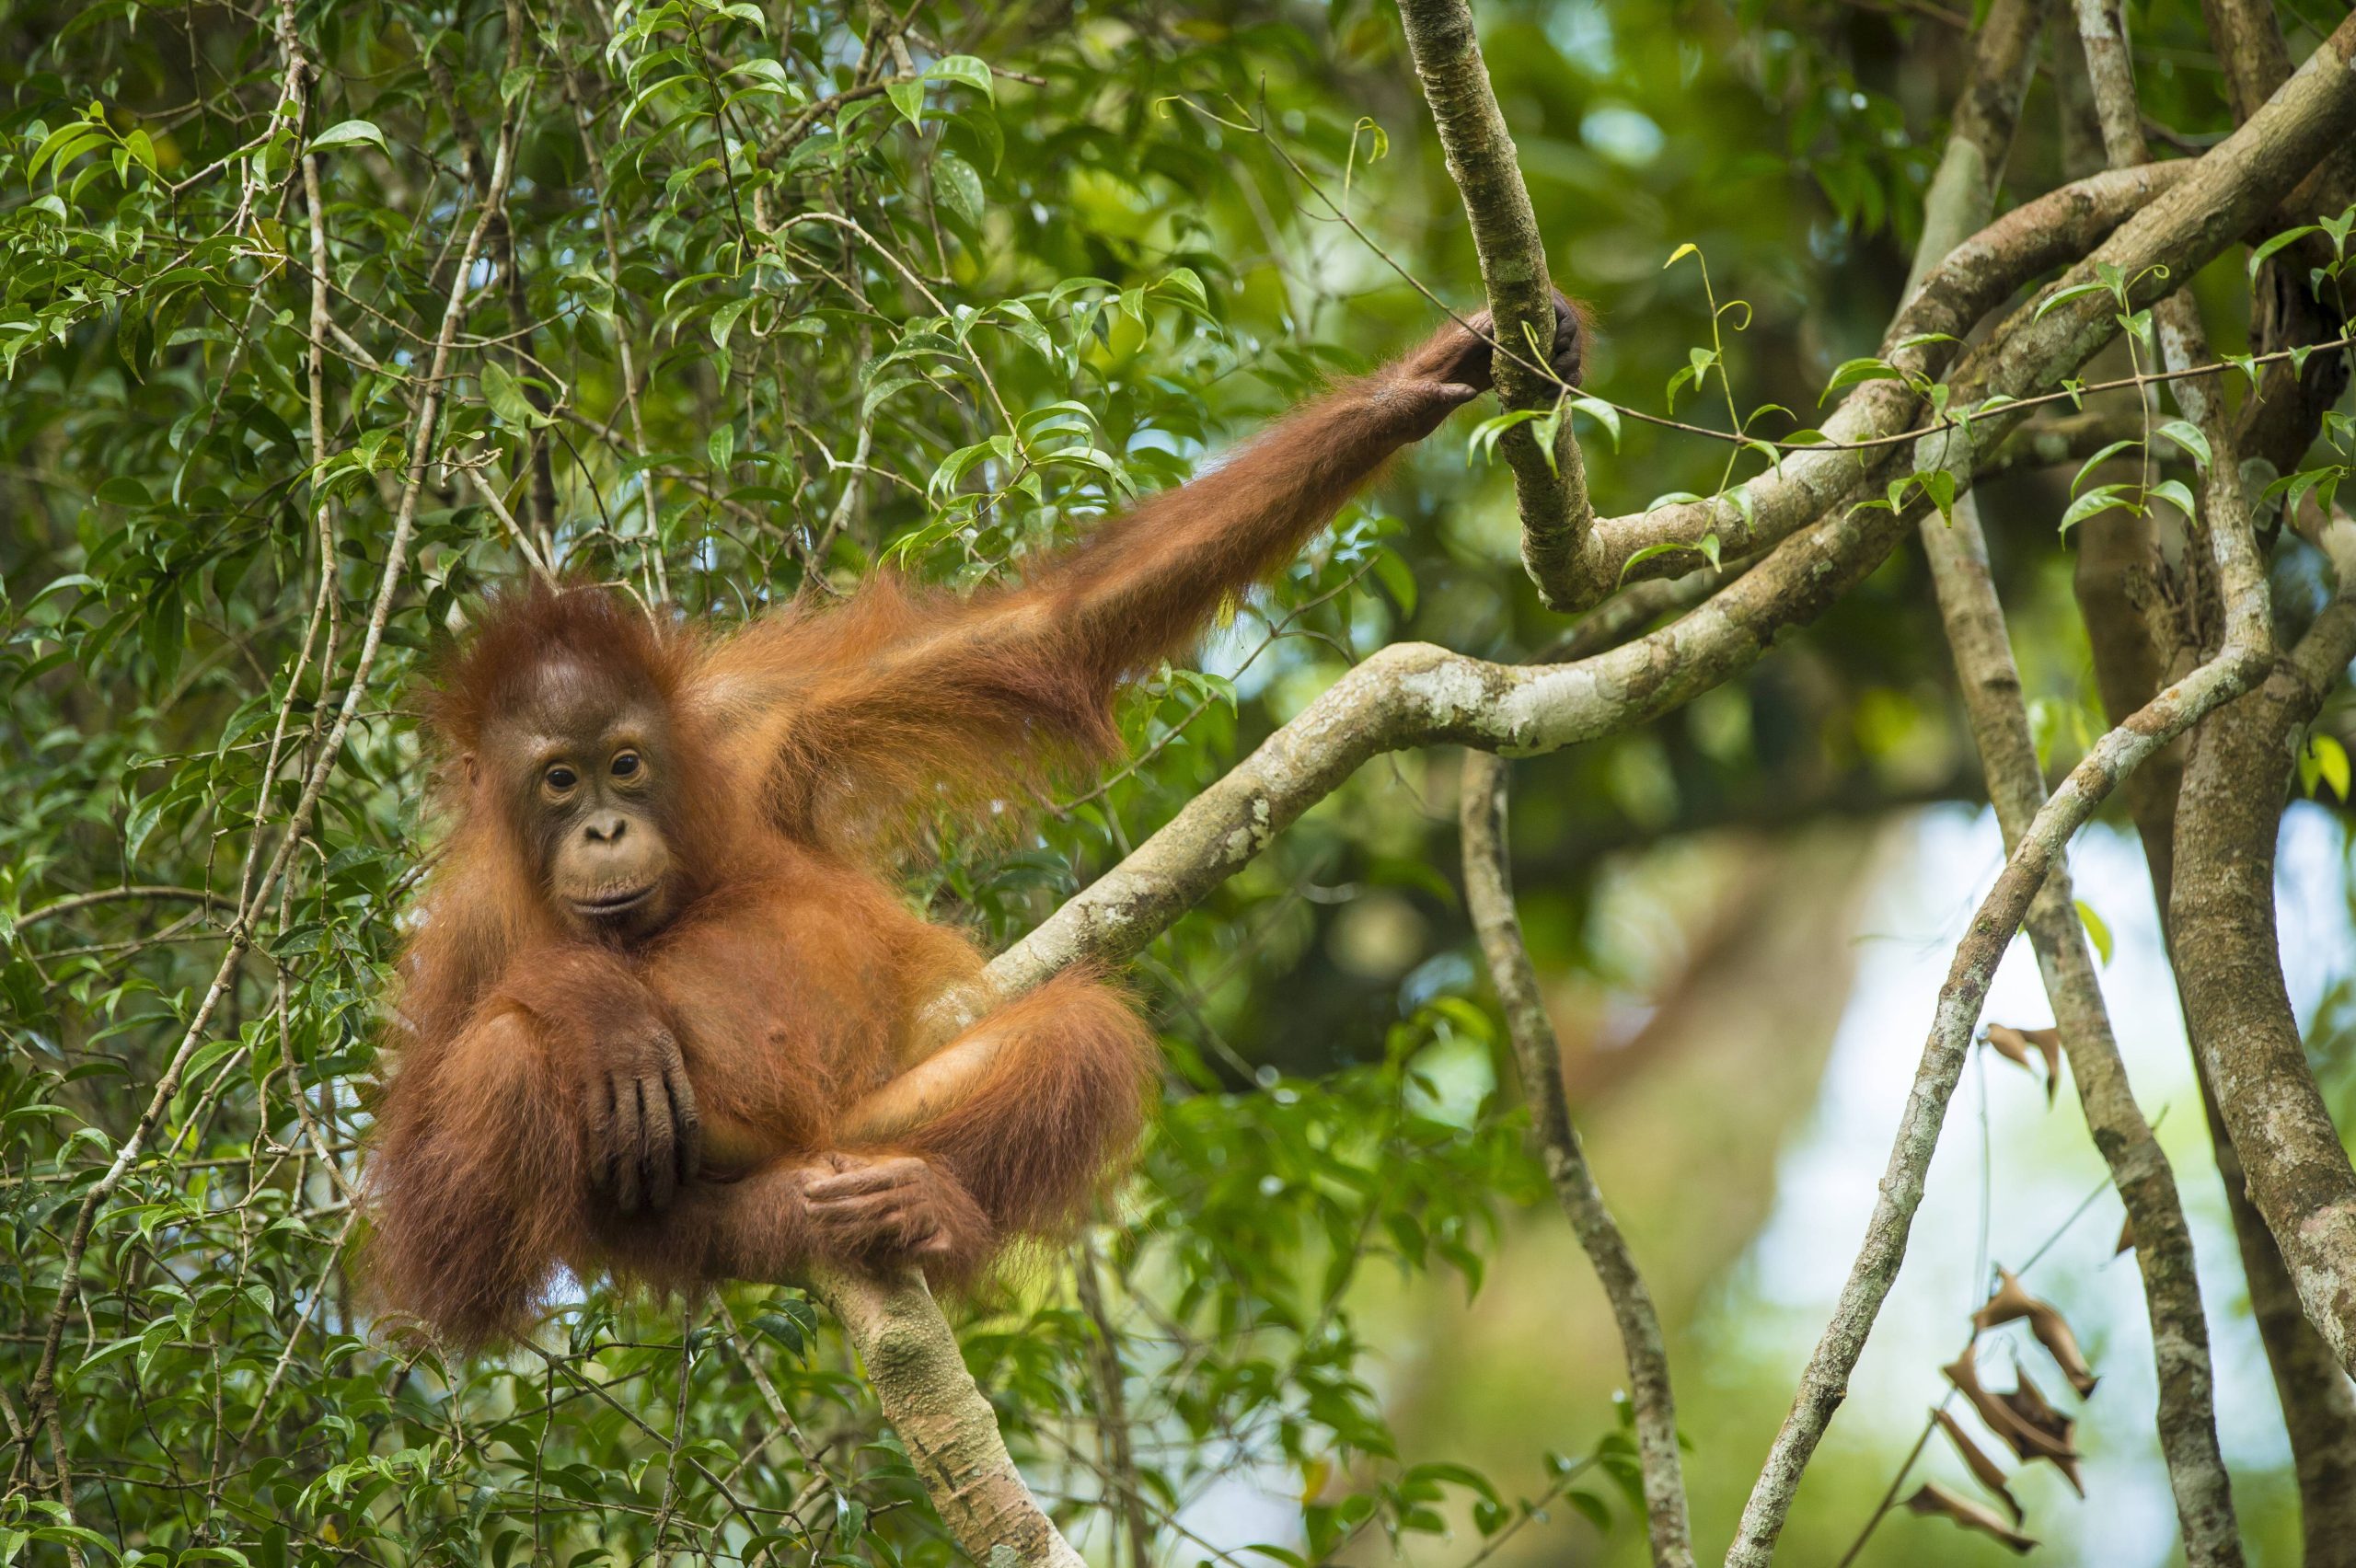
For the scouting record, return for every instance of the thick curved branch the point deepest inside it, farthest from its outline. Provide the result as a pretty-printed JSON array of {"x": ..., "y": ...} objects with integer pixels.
[
  {"x": 948, "y": 1428},
  {"x": 1537, "y": 1054},
  {"x": 1550, "y": 486},
  {"x": 2059, "y": 227},
  {"x": 2222, "y": 909},
  {"x": 1414, "y": 694}
]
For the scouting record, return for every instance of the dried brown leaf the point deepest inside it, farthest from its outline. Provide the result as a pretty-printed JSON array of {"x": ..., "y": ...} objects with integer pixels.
[
  {"x": 2011, "y": 1044},
  {"x": 2025, "y": 1440},
  {"x": 1985, "y": 1470},
  {"x": 2015, "y": 1045},
  {"x": 1939, "y": 1502},
  {"x": 2030, "y": 1408},
  {"x": 2045, "y": 1321}
]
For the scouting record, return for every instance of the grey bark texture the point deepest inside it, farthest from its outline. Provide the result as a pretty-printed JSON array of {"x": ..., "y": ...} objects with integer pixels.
[
  {"x": 950, "y": 1431},
  {"x": 1549, "y": 487},
  {"x": 1538, "y": 1060}
]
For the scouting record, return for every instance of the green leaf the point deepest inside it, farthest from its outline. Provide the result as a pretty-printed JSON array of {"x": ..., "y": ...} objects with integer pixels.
[
  {"x": 1707, "y": 549},
  {"x": 965, "y": 70},
  {"x": 2096, "y": 931},
  {"x": 345, "y": 132},
  {"x": 63, "y": 145},
  {"x": 2096, "y": 501},
  {"x": 908, "y": 98},
  {"x": 1396, "y": 576},
  {"x": 1601, "y": 412},
  {"x": 2062, "y": 296},
  {"x": 1856, "y": 370},
  {"x": 1939, "y": 485},
  {"x": 956, "y": 183},
  {"x": 2258, "y": 255},
  {"x": 2187, "y": 435},
  {"x": 1480, "y": 445},
  {"x": 2105, "y": 455},
  {"x": 505, "y": 395},
  {"x": 2177, "y": 494},
  {"x": 2324, "y": 761}
]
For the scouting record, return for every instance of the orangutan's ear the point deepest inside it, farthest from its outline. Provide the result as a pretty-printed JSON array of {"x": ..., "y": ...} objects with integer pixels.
[{"x": 467, "y": 761}]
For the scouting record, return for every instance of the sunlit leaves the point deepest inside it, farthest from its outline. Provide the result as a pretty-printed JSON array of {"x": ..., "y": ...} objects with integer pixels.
[
  {"x": 2322, "y": 764},
  {"x": 989, "y": 360},
  {"x": 2097, "y": 501},
  {"x": 346, "y": 133}
]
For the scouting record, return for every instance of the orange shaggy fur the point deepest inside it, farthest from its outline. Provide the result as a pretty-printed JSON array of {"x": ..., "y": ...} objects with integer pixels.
[{"x": 793, "y": 974}]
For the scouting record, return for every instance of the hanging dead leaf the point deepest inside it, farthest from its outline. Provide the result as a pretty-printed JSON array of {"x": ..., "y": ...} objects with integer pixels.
[
  {"x": 1985, "y": 1470},
  {"x": 2010, "y": 1043},
  {"x": 2045, "y": 1321},
  {"x": 2015, "y": 1045},
  {"x": 2029, "y": 1408},
  {"x": 2026, "y": 1441},
  {"x": 1937, "y": 1502}
]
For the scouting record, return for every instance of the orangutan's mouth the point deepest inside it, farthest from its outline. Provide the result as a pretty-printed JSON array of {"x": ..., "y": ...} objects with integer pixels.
[{"x": 606, "y": 905}]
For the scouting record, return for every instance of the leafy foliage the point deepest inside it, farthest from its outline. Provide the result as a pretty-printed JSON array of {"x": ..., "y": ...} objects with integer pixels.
[
  {"x": 318, "y": 319},
  {"x": 724, "y": 304}
]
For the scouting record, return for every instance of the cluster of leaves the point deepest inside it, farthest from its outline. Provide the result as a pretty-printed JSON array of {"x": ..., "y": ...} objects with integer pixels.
[{"x": 775, "y": 296}]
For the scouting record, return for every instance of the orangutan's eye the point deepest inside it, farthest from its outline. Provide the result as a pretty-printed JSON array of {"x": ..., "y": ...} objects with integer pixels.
[
  {"x": 561, "y": 778},
  {"x": 625, "y": 764}
]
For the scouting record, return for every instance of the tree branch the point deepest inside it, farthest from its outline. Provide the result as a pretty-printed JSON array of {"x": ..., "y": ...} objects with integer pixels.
[
  {"x": 1825, "y": 1383},
  {"x": 1550, "y": 486},
  {"x": 1414, "y": 694},
  {"x": 2134, "y": 605},
  {"x": 1991, "y": 693},
  {"x": 947, "y": 1426},
  {"x": 2234, "y": 184},
  {"x": 1538, "y": 1055},
  {"x": 1974, "y": 621},
  {"x": 2222, "y": 909}
]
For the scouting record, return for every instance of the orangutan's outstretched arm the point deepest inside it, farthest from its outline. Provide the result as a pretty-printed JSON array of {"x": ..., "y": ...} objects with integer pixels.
[
  {"x": 882, "y": 701},
  {"x": 1146, "y": 583}
]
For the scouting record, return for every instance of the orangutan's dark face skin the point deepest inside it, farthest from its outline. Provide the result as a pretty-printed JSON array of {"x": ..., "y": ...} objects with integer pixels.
[{"x": 588, "y": 777}]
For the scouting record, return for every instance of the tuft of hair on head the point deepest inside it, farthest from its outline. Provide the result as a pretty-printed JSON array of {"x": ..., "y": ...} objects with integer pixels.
[{"x": 489, "y": 670}]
